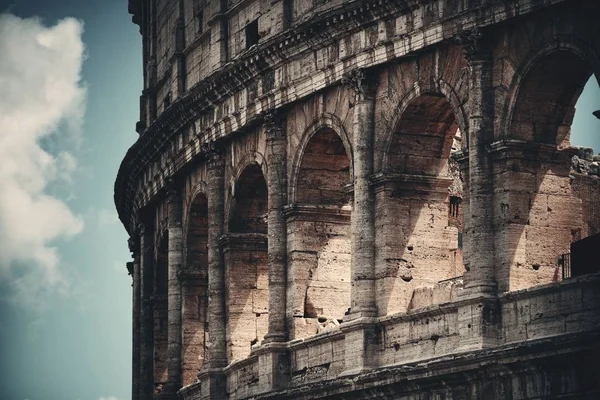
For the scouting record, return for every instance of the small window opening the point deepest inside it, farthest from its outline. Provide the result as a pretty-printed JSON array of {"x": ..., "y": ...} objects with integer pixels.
[{"x": 252, "y": 34}]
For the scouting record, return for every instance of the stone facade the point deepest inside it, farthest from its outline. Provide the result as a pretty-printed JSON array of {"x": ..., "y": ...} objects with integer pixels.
[{"x": 361, "y": 199}]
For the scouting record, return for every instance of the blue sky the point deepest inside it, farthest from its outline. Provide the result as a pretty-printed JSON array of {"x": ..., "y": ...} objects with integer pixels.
[
  {"x": 65, "y": 312},
  {"x": 71, "y": 338}
]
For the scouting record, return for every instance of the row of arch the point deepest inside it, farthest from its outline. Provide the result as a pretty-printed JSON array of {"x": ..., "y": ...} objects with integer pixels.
[{"x": 430, "y": 118}]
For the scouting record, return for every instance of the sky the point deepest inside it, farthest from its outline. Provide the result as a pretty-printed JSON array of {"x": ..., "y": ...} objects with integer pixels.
[{"x": 70, "y": 80}]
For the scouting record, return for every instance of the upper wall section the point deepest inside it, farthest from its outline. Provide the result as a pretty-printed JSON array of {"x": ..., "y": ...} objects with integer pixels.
[{"x": 213, "y": 68}]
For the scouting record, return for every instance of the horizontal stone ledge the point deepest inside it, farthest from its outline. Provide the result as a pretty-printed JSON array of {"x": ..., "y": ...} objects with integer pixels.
[
  {"x": 410, "y": 182},
  {"x": 323, "y": 213},
  {"x": 243, "y": 241},
  {"x": 463, "y": 366}
]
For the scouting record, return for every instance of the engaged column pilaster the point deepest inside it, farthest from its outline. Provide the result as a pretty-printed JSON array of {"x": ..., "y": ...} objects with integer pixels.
[
  {"x": 479, "y": 314},
  {"x": 363, "y": 297},
  {"x": 212, "y": 377},
  {"x": 175, "y": 261},
  {"x": 480, "y": 278},
  {"x": 146, "y": 234},
  {"x": 277, "y": 242}
]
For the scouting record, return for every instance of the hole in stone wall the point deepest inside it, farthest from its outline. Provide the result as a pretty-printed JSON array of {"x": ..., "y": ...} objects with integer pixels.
[{"x": 535, "y": 266}]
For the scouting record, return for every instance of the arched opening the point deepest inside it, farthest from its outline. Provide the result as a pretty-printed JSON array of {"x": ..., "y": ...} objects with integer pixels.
[
  {"x": 319, "y": 235},
  {"x": 540, "y": 209},
  {"x": 585, "y": 168},
  {"x": 160, "y": 310},
  {"x": 324, "y": 171},
  {"x": 419, "y": 209},
  {"x": 545, "y": 104},
  {"x": 194, "y": 288},
  {"x": 245, "y": 252},
  {"x": 249, "y": 209}
]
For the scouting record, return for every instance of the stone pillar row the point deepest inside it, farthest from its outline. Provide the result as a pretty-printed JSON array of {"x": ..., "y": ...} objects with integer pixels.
[{"x": 358, "y": 329}]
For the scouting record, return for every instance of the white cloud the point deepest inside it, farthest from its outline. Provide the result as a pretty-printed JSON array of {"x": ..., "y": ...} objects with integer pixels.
[{"x": 41, "y": 106}]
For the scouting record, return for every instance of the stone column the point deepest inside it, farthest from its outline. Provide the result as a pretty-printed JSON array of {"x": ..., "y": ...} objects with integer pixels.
[
  {"x": 146, "y": 314},
  {"x": 212, "y": 377},
  {"x": 479, "y": 313},
  {"x": 479, "y": 262},
  {"x": 175, "y": 261},
  {"x": 134, "y": 271},
  {"x": 277, "y": 241},
  {"x": 216, "y": 272},
  {"x": 363, "y": 296}
]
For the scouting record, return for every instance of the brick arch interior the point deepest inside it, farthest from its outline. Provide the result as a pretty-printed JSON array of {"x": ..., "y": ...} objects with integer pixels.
[
  {"x": 319, "y": 236},
  {"x": 246, "y": 263},
  {"x": 538, "y": 213},
  {"x": 419, "y": 203},
  {"x": 249, "y": 208},
  {"x": 195, "y": 290},
  {"x": 161, "y": 313},
  {"x": 324, "y": 171},
  {"x": 545, "y": 103}
]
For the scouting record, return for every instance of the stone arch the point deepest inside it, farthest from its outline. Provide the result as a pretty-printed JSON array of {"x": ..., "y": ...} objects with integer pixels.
[
  {"x": 248, "y": 159},
  {"x": 418, "y": 201},
  {"x": 544, "y": 64},
  {"x": 327, "y": 121},
  {"x": 249, "y": 202},
  {"x": 246, "y": 260},
  {"x": 320, "y": 231},
  {"x": 440, "y": 88},
  {"x": 539, "y": 221},
  {"x": 194, "y": 285}
]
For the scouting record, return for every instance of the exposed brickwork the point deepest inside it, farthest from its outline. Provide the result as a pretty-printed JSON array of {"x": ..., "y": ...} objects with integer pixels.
[{"x": 371, "y": 198}]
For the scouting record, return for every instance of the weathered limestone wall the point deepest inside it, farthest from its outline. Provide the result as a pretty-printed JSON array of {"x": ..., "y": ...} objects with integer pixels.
[
  {"x": 587, "y": 189},
  {"x": 319, "y": 269},
  {"x": 537, "y": 218},
  {"x": 538, "y": 316},
  {"x": 507, "y": 88},
  {"x": 247, "y": 287}
]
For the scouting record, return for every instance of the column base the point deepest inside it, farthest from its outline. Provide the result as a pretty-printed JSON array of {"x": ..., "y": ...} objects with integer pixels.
[
  {"x": 360, "y": 313},
  {"x": 360, "y": 341},
  {"x": 474, "y": 289},
  {"x": 276, "y": 337},
  {"x": 479, "y": 323},
  {"x": 213, "y": 383},
  {"x": 274, "y": 366}
]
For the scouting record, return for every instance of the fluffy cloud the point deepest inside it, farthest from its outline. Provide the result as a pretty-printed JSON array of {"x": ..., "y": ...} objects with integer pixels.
[{"x": 41, "y": 110}]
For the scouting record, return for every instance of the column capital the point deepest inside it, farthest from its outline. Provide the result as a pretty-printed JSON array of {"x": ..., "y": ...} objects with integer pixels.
[
  {"x": 214, "y": 154},
  {"x": 473, "y": 46},
  {"x": 362, "y": 82},
  {"x": 274, "y": 124}
]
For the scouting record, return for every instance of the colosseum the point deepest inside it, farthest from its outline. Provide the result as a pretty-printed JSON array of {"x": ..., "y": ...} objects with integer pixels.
[{"x": 343, "y": 199}]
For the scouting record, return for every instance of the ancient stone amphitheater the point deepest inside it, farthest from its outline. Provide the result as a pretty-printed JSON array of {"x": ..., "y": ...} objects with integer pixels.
[{"x": 350, "y": 199}]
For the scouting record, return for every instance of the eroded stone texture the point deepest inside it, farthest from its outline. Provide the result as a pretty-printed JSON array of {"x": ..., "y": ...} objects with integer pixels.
[{"x": 374, "y": 198}]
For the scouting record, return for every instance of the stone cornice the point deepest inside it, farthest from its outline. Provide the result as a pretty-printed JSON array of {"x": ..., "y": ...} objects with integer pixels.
[{"x": 317, "y": 32}]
